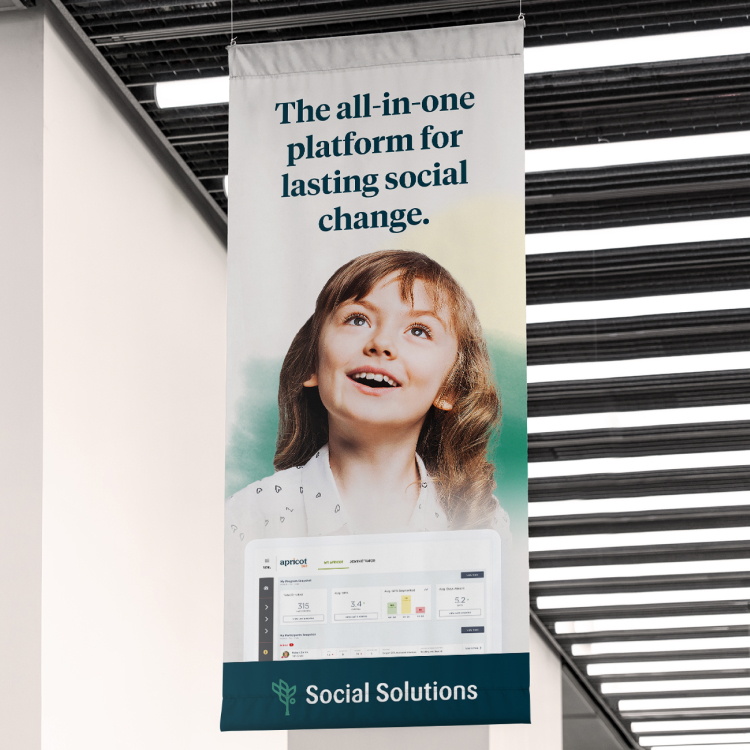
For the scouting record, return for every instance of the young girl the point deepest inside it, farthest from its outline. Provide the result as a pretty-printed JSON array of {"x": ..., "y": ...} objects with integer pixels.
[{"x": 387, "y": 404}]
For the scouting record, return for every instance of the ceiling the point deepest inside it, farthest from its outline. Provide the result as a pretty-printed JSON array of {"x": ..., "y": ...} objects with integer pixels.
[{"x": 145, "y": 42}]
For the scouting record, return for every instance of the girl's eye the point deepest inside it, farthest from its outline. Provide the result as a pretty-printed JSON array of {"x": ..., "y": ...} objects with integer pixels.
[
  {"x": 356, "y": 320},
  {"x": 420, "y": 332}
]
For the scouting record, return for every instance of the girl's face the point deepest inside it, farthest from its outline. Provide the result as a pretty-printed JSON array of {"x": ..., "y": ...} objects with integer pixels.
[{"x": 382, "y": 362}]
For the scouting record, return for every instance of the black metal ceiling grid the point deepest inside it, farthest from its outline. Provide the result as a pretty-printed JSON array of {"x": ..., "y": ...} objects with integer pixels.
[
  {"x": 639, "y": 441},
  {"x": 652, "y": 520},
  {"x": 639, "y": 484},
  {"x": 658, "y": 192},
  {"x": 633, "y": 556},
  {"x": 638, "y": 101},
  {"x": 169, "y": 40},
  {"x": 643, "y": 336},
  {"x": 609, "y": 585},
  {"x": 633, "y": 180},
  {"x": 638, "y": 272},
  {"x": 625, "y": 104},
  {"x": 548, "y": 21},
  {"x": 726, "y": 203},
  {"x": 615, "y": 274}
]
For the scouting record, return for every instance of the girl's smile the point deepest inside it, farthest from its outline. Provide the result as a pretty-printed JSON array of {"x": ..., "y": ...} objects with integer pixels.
[
  {"x": 382, "y": 361},
  {"x": 373, "y": 378}
]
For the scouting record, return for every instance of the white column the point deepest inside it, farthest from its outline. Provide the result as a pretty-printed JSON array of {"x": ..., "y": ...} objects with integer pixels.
[
  {"x": 20, "y": 378},
  {"x": 545, "y": 730},
  {"x": 392, "y": 738}
]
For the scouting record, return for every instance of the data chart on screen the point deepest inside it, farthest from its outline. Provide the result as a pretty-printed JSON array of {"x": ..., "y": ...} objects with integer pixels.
[{"x": 373, "y": 596}]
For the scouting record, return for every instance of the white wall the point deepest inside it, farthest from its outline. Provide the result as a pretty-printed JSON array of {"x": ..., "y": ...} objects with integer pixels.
[
  {"x": 21, "y": 373},
  {"x": 134, "y": 349}
]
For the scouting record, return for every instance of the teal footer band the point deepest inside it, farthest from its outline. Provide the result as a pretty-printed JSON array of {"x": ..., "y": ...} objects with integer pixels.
[{"x": 377, "y": 692}]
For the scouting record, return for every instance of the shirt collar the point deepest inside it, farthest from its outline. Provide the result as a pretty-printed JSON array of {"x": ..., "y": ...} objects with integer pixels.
[{"x": 326, "y": 514}]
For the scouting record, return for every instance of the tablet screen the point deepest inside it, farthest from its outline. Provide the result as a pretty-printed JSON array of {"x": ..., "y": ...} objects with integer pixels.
[{"x": 422, "y": 594}]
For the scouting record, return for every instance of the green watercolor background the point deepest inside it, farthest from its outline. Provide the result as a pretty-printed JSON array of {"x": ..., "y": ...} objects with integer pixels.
[
  {"x": 508, "y": 451},
  {"x": 252, "y": 443}
]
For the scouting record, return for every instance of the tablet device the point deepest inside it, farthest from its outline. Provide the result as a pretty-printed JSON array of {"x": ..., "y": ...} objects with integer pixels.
[{"x": 337, "y": 597}]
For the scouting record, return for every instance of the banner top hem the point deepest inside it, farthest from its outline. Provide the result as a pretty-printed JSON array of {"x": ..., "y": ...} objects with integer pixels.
[{"x": 453, "y": 43}]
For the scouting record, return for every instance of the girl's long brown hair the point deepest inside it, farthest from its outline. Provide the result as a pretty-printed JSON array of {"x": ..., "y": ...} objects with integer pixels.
[{"x": 453, "y": 444}]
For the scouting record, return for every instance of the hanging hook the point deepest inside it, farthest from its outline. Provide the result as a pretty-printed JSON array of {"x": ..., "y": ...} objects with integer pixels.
[
  {"x": 232, "y": 37},
  {"x": 521, "y": 16}
]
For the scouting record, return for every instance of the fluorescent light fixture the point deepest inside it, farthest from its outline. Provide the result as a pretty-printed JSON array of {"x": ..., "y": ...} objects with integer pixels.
[
  {"x": 652, "y": 667},
  {"x": 637, "y": 570},
  {"x": 665, "y": 304},
  {"x": 590, "y": 156},
  {"x": 669, "y": 704},
  {"x": 646, "y": 418},
  {"x": 694, "y": 739},
  {"x": 661, "y": 645},
  {"x": 675, "y": 686},
  {"x": 638, "y": 538},
  {"x": 639, "y": 235},
  {"x": 638, "y": 504},
  {"x": 225, "y": 185},
  {"x": 638, "y": 50},
  {"x": 652, "y": 623},
  {"x": 689, "y": 725},
  {"x": 661, "y": 462},
  {"x": 644, "y": 367},
  {"x": 193, "y": 93},
  {"x": 635, "y": 598}
]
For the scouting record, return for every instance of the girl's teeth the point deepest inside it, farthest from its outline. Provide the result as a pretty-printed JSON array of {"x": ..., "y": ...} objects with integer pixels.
[{"x": 374, "y": 376}]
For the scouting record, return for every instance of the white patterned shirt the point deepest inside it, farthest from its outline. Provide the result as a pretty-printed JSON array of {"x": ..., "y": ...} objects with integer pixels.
[{"x": 305, "y": 501}]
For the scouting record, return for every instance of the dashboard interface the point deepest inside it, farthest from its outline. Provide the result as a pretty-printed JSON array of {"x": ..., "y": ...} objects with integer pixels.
[{"x": 343, "y": 597}]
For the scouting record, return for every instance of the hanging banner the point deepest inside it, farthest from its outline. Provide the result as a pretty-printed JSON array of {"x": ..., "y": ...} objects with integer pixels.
[{"x": 376, "y": 564}]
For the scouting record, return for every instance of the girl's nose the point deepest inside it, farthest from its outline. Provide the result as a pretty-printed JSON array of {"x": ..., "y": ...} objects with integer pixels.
[{"x": 382, "y": 344}]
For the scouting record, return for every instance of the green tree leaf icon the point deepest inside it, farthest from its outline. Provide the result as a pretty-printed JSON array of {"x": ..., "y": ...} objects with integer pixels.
[{"x": 285, "y": 693}]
